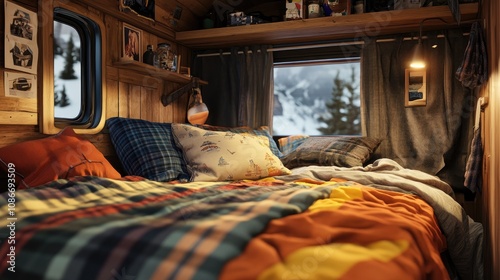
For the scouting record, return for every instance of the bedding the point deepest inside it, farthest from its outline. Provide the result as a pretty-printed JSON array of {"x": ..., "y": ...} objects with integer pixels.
[
  {"x": 63, "y": 155},
  {"x": 380, "y": 221},
  {"x": 345, "y": 151},
  {"x": 225, "y": 155}
]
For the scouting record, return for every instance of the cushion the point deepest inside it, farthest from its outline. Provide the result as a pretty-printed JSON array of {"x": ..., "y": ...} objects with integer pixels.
[
  {"x": 63, "y": 155},
  {"x": 225, "y": 155},
  {"x": 147, "y": 149},
  {"x": 290, "y": 143},
  {"x": 263, "y": 130},
  {"x": 334, "y": 150}
]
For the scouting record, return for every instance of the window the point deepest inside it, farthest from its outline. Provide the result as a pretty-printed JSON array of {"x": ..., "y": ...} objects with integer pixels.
[
  {"x": 77, "y": 70},
  {"x": 317, "y": 96}
]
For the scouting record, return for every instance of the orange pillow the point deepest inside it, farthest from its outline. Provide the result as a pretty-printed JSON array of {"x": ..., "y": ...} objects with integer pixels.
[{"x": 63, "y": 155}]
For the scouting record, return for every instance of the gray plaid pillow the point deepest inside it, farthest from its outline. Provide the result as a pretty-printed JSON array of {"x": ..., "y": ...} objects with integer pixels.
[{"x": 340, "y": 151}]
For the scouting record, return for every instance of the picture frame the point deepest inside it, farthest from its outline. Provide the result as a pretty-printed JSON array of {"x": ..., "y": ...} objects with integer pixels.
[
  {"x": 415, "y": 87},
  {"x": 142, "y": 8},
  {"x": 131, "y": 43}
]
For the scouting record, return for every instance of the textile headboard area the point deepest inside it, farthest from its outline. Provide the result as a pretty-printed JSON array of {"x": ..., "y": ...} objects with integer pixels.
[{"x": 433, "y": 138}]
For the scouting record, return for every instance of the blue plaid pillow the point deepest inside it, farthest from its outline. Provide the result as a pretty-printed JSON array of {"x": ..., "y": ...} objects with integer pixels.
[{"x": 147, "y": 149}]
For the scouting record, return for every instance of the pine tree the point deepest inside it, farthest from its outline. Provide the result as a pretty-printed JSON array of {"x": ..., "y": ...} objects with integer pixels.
[
  {"x": 64, "y": 101},
  {"x": 344, "y": 113},
  {"x": 57, "y": 99},
  {"x": 68, "y": 72}
]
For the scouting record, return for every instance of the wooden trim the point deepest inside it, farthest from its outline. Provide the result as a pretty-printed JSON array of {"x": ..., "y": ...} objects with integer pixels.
[
  {"x": 46, "y": 15},
  {"x": 24, "y": 118}
]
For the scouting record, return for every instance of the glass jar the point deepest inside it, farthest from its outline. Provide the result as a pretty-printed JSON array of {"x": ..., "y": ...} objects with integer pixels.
[
  {"x": 313, "y": 9},
  {"x": 164, "y": 58}
]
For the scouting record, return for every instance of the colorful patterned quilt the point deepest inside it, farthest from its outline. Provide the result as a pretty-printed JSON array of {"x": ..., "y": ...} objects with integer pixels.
[{"x": 308, "y": 225}]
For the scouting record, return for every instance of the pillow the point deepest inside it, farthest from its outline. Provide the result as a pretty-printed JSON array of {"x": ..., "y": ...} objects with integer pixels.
[
  {"x": 335, "y": 150},
  {"x": 226, "y": 155},
  {"x": 147, "y": 149},
  {"x": 290, "y": 143},
  {"x": 263, "y": 130},
  {"x": 63, "y": 155}
]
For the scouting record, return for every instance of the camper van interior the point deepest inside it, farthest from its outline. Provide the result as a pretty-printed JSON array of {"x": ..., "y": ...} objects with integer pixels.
[{"x": 250, "y": 139}]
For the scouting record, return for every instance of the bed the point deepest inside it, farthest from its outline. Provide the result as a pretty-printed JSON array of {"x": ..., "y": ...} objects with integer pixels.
[{"x": 187, "y": 209}]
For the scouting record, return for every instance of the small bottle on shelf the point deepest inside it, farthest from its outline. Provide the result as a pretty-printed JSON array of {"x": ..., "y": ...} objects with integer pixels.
[{"x": 148, "y": 56}]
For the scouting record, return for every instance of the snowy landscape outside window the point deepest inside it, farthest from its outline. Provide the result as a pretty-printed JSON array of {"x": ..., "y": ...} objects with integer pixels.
[
  {"x": 317, "y": 99},
  {"x": 67, "y": 72}
]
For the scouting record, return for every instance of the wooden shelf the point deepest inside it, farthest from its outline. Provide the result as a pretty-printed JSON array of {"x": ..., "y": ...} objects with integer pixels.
[
  {"x": 146, "y": 69},
  {"x": 357, "y": 26}
]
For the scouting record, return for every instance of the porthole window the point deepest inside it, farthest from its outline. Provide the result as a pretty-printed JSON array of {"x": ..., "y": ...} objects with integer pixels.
[{"x": 77, "y": 70}]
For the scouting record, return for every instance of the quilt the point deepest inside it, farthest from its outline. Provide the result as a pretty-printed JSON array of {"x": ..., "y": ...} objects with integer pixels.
[{"x": 378, "y": 222}]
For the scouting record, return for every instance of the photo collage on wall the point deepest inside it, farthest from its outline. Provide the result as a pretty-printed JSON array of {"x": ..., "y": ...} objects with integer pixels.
[{"x": 20, "y": 51}]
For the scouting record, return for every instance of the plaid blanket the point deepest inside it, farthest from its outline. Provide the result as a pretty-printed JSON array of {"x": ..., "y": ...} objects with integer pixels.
[{"x": 96, "y": 228}]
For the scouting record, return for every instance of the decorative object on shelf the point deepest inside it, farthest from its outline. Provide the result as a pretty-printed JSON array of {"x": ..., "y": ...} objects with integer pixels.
[
  {"x": 340, "y": 7},
  {"x": 131, "y": 43},
  {"x": 313, "y": 9},
  {"x": 164, "y": 58},
  {"x": 415, "y": 87},
  {"x": 327, "y": 11},
  {"x": 197, "y": 110},
  {"x": 149, "y": 55},
  {"x": 359, "y": 7},
  {"x": 142, "y": 8},
  {"x": 239, "y": 18},
  {"x": 294, "y": 9}
]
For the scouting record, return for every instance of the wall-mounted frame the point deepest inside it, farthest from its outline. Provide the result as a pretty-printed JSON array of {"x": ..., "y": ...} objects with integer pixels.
[
  {"x": 415, "y": 87},
  {"x": 131, "y": 43},
  {"x": 143, "y": 8}
]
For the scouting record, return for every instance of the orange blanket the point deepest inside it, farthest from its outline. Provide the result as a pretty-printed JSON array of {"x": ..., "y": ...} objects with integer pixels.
[{"x": 357, "y": 233}]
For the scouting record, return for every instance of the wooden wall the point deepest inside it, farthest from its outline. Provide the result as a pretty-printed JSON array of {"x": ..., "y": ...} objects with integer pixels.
[
  {"x": 491, "y": 174},
  {"x": 129, "y": 94}
]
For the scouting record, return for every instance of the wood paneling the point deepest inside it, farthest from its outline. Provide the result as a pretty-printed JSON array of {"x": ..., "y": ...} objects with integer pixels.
[
  {"x": 130, "y": 93},
  {"x": 491, "y": 174}
]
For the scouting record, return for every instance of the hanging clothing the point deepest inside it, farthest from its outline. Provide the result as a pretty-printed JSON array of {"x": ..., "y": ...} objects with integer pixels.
[
  {"x": 473, "y": 169},
  {"x": 474, "y": 69}
]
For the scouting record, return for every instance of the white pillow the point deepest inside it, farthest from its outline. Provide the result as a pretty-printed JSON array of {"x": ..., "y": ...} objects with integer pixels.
[{"x": 225, "y": 155}]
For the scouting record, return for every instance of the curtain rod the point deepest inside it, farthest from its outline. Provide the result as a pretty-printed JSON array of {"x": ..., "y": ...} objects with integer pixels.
[
  {"x": 414, "y": 38},
  {"x": 315, "y": 46}
]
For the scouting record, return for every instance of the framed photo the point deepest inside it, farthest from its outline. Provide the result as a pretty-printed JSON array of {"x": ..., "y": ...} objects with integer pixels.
[
  {"x": 131, "y": 43},
  {"x": 415, "y": 87},
  {"x": 143, "y": 8}
]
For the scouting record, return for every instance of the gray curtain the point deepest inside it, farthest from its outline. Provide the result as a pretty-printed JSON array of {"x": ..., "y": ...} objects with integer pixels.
[
  {"x": 239, "y": 90},
  {"x": 434, "y": 138}
]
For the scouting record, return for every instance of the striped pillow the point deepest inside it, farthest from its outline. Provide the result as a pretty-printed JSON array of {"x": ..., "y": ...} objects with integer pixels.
[
  {"x": 147, "y": 149},
  {"x": 334, "y": 150},
  {"x": 288, "y": 144}
]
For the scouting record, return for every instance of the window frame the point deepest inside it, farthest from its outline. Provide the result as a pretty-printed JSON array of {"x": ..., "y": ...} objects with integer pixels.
[
  {"x": 92, "y": 117},
  {"x": 340, "y": 53}
]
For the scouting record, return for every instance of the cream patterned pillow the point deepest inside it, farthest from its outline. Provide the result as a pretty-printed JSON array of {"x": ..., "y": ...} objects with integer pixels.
[{"x": 225, "y": 155}]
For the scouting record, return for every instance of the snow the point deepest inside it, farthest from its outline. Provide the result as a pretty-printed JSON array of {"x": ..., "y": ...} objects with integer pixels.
[
  {"x": 73, "y": 87},
  {"x": 303, "y": 92}
]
